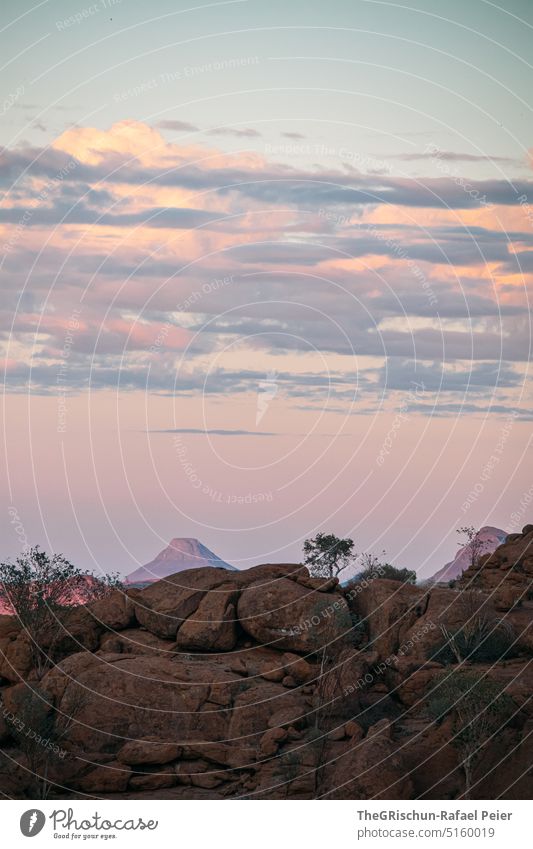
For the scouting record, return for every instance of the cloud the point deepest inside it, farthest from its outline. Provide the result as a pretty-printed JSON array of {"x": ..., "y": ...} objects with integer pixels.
[
  {"x": 143, "y": 227},
  {"x": 435, "y": 377},
  {"x": 257, "y": 179},
  {"x": 82, "y": 211},
  {"x": 464, "y": 409},
  {"x": 245, "y": 132},
  {"x": 453, "y": 156},
  {"x": 218, "y": 432},
  {"x": 178, "y": 126}
]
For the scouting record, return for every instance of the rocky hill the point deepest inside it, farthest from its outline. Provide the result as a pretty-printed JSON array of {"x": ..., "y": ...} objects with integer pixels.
[
  {"x": 180, "y": 554},
  {"x": 506, "y": 574},
  {"x": 488, "y": 539},
  {"x": 267, "y": 683}
]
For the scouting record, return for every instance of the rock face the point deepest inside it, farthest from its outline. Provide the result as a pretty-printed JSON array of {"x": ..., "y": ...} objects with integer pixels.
[
  {"x": 507, "y": 573},
  {"x": 262, "y": 683},
  {"x": 181, "y": 553},
  {"x": 489, "y": 539}
]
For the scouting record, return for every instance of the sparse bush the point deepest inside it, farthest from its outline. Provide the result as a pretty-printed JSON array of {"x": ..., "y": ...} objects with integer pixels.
[
  {"x": 373, "y": 570},
  {"x": 37, "y": 587},
  {"x": 483, "y": 638},
  {"x": 478, "y": 708},
  {"x": 458, "y": 646}
]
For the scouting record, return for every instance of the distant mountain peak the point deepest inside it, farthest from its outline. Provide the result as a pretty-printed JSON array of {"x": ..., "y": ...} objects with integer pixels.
[
  {"x": 488, "y": 535},
  {"x": 180, "y": 554}
]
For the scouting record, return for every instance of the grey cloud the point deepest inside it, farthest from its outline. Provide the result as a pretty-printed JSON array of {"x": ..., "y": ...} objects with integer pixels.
[
  {"x": 274, "y": 184},
  {"x": 83, "y": 212},
  {"x": 453, "y": 156},
  {"x": 458, "y": 409},
  {"x": 245, "y": 132},
  {"x": 404, "y": 374},
  {"x": 178, "y": 126},
  {"x": 218, "y": 432}
]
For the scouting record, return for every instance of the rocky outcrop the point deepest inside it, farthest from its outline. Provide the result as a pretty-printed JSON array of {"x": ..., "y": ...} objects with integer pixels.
[
  {"x": 265, "y": 683},
  {"x": 507, "y": 573},
  {"x": 487, "y": 539}
]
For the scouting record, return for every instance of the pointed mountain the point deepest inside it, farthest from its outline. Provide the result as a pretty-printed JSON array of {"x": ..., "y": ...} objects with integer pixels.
[
  {"x": 490, "y": 538},
  {"x": 181, "y": 553}
]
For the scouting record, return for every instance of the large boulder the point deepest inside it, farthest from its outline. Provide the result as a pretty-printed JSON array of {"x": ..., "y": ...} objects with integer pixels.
[
  {"x": 16, "y": 658},
  {"x": 389, "y": 610},
  {"x": 114, "y": 612},
  {"x": 286, "y": 615},
  {"x": 148, "y": 751},
  {"x": 213, "y": 626},
  {"x": 164, "y": 606},
  {"x": 137, "y": 641},
  {"x": 371, "y": 768}
]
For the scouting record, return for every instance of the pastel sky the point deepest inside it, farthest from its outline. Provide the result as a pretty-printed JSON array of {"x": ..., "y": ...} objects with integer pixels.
[{"x": 265, "y": 271}]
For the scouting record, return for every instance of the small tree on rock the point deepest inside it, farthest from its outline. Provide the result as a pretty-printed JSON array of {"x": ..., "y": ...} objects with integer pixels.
[
  {"x": 326, "y": 555},
  {"x": 471, "y": 540}
]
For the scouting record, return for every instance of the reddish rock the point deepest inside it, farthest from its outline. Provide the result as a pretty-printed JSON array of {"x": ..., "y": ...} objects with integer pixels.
[
  {"x": 115, "y": 611},
  {"x": 369, "y": 769},
  {"x": 148, "y": 751},
  {"x": 271, "y": 741},
  {"x": 353, "y": 730},
  {"x": 153, "y": 780},
  {"x": 213, "y": 626},
  {"x": 111, "y": 778},
  {"x": 389, "y": 610},
  {"x": 138, "y": 641},
  {"x": 507, "y": 573},
  {"x": 298, "y": 668},
  {"x": 285, "y": 615},
  {"x": 165, "y": 605},
  {"x": 16, "y": 658},
  {"x": 337, "y": 733}
]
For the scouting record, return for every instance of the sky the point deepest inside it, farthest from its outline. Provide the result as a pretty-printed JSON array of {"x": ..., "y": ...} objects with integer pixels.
[{"x": 265, "y": 270}]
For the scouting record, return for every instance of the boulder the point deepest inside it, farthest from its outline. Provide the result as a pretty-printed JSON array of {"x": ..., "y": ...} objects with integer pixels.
[
  {"x": 371, "y": 768},
  {"x": 286, "y": 615},
  {"x": 115, "y": 611},
  {"x": 389, "y": 610},
  {"x": 16, "y": 659},
  {"x": 213, "y": 626},
  {"x": 116, "y": 698},
  {"x": 109, "y": 778},
  {"x": 137, "y": 641},
  {"x": 165, "y": 605},
  {"x": 148, "y": 751},
  {"x": 271, "y": 741},
  {"x": 153, "y": 780}
]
